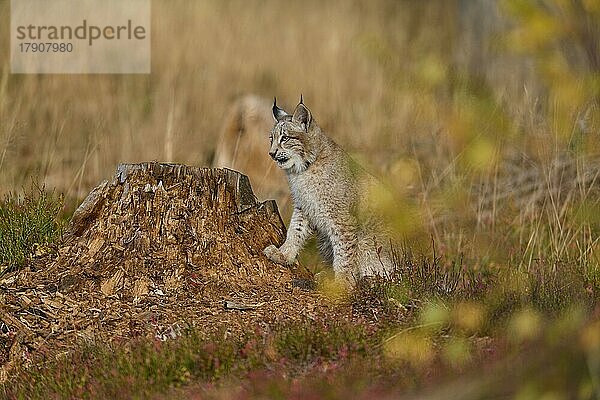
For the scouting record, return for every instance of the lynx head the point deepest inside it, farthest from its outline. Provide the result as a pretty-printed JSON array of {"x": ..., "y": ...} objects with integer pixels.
[{"x": 291, "y": 138}]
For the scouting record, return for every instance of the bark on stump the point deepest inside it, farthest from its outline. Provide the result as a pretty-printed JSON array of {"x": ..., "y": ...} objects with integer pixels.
[
  {"x": 156, "y": 250},
  {"x": 155, "y": 224}
]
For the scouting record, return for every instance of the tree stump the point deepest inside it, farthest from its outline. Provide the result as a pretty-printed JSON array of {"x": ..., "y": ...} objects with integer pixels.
[
  {"x": 156, "y": 250},
  {"x": 155, "y": 224}
]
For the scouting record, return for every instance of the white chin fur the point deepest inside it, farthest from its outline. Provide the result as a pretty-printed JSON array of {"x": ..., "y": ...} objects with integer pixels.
[{"x": 294, "y": 164}]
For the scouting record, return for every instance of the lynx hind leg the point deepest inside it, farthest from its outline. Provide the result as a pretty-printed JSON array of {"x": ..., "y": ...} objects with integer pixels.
[
  {"x": 345, "y": 260},
  {"x": 374, "y": 258}
]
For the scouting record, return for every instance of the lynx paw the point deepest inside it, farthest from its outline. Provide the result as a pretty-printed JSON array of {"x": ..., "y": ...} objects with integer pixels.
[{"x": 275, "y": 255}]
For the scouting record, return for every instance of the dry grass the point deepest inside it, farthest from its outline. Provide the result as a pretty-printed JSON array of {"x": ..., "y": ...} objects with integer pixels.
[
  {"x": 72, "y": 130},
  {"x": 483, "y": 123},
  {"x": 487, "y": 139}
]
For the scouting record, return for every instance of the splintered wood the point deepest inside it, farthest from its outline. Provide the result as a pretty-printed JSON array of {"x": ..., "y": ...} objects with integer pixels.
[
  {"x": 162, "y": 224},
  {"x": 159, "y": 248}
]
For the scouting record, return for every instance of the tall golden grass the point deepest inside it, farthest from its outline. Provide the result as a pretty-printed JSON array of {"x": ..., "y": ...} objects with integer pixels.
[
  {"x": 72, "y": 130},
  {"x": 453, "y": 103}
]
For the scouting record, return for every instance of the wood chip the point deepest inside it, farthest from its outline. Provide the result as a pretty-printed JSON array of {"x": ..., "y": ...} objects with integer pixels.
[
  {"x": 234, "y": 305},
  {"x": 134, "y": 261}
]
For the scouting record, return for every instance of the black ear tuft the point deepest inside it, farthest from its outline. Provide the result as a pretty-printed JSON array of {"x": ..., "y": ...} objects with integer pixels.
[
  {"x": 278, "y": 113},
  {"x": 301, "y": 100},
  {"x": 302, "y": 115}
]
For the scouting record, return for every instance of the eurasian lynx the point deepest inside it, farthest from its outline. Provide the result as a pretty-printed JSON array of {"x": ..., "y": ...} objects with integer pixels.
[{"x": 327, "y": 188}]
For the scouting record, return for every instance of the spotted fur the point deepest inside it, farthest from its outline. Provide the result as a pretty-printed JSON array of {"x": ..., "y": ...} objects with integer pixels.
[{"x": 326, "y": 188}]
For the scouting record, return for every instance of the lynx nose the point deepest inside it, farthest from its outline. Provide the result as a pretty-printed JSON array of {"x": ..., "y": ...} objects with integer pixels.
[{"x": 273, "y": 154}]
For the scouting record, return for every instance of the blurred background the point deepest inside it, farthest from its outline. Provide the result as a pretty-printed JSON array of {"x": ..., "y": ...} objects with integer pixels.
[{"x": 482, "y": 116}]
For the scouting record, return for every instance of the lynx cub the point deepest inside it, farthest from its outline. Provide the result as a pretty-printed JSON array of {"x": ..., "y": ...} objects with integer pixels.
[{"x": 327, "y": 188}]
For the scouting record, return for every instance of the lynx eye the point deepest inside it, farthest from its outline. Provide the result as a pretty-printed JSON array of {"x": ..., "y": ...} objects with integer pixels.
[{"x": 284, "y": 138}]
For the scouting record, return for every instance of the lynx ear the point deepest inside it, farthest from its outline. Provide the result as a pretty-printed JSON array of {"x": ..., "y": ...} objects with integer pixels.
[
  {"x": 302, "y": 115},
  {"x": 278, "y": 113}
]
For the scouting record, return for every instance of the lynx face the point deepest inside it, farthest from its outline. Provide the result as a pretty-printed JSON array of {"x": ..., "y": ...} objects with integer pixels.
[
  {"x": 287, "y": 146},
  {"x": 290, "y": 146}
]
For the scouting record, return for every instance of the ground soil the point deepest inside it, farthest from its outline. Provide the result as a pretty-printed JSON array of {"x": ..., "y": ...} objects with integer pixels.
[{"x": 156, "y": 250}]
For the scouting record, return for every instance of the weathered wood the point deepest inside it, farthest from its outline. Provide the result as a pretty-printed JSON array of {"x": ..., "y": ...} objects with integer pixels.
[
  {"x": 155, "y": 249},
  {"x": 164, "y": 221},
  {"x": 234, "y": 305}
]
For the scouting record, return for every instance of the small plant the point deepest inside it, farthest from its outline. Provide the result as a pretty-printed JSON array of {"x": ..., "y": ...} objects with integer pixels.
[
  {"x": 27, "y": 223},
  {"x": 146, "y": 368},
  {"x": 307, "y": 342},
  {"x": 435, "y": 276}
]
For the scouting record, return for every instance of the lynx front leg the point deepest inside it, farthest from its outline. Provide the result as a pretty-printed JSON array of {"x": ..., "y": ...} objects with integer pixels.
[
  {"x": 344, "y": 244},
  {"x": 297, "y": 233}
]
